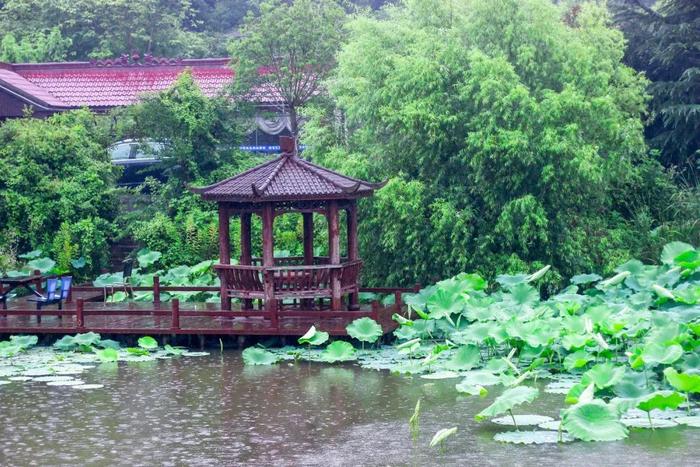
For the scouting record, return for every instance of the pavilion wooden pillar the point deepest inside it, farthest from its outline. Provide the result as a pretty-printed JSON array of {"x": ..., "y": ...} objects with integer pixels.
[
  {"x": 351, "y": 218},
  {"x": 268, "y": 220},
  {"x": 246, "y": 248},
  {"x": 224, "y": 252},
  {"x": 334, "y": 252},
  {"x": 308, "y": 218}
]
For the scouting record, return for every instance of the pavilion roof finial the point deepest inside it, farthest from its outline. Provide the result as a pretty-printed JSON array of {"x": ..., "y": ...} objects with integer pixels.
[{"x": 288, "y": 145}]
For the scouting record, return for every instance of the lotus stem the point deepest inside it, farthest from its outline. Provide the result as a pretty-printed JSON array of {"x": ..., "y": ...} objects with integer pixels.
[
  {"x": 513, "y": 417},
  {"x": 687, "y": 403},
  {"x": 651, "y": 424}
]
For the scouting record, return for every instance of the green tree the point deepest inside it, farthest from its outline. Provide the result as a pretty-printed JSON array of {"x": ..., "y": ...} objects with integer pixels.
[
  {"x": 56, "y": 176},
  {"x": 42, "y": 46},
  {"x": 289, "y": 47},
  {"x": 511, "y": 138},
  {"x": 663, "y": 43}
]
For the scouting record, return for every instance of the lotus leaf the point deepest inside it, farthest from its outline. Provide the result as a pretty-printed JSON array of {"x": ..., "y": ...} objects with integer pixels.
[
  {"x": 673, "y": 250},
  {"x": 44, "y": 265},
  {"x": 109, "y": 344},
  {"x": 441, "y": 375},
  {"x": 30, "y": 255},
  {"x": 648, "y": 423},
  {"x": 365, "y": 330},
  {"x": 442, "y": 435},
  {"x": 24, "y": 342},
  {"x": 506, "y": 401},
  {"x": 313, "y": 337},
  {"x": 465, "y": 358},
  {"x": 137, "y": 351},
  {"x": 471, "y": 389},
  {"x": 585, "y": 279},
  {"x": 258, "y": 356},
  {"x": 146, "y": 257},
  {"x": 655, "y": 354},
  {"x": 593, "y": 421},
  {"x": 338, "y": 351},
  {"x": 522, "y": 420},
  {"x": 175, "y": 351},
  {"x": 108, "y": 355},
  {"x": 578, "y": 359},
  {"x": 65, "y": 343},
  {"x": 86, "y": 339},
  {"x": 78, "y": 263},
  {"x": 684, "y": 382},
  {"x": 148, "y": 343},
  {"x": 605, "y": 374},
  {"x": 693, "y": 421},
  {"x": 533, "y": 437}
]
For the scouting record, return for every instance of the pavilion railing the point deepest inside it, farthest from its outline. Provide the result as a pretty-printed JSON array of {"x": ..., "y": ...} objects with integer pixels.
[
  {"x": 296, "y": 261},
  {"x": 287, "y": 282}
]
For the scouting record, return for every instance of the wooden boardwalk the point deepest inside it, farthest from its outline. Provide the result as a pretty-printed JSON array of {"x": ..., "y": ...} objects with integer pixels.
[{"x": 178, "y": 318}]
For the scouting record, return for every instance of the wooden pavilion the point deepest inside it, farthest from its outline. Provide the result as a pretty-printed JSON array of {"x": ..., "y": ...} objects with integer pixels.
[{"x": 289, "y": 184}]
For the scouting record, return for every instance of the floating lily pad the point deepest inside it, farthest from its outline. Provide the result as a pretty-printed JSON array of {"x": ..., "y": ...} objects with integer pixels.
[
  {"x": 20, "y": 378},
  {"x": 441, "y": 375},
  {"x": 88, "y": 386},
  {"x": 38, "y": 372},
  {"x": 195, "y": 354},
  {"x": 693, "y": 421},
  {"x": 644, "y": 422},
  {"x": 72, "y": 382},
  {"x": 533, "y": 437},
  {"x": 552, "y": 425},
  {"x": 523, "y": 420},
  {"x": 47, "y": 379},
  {"x": 4, "y": 381}
]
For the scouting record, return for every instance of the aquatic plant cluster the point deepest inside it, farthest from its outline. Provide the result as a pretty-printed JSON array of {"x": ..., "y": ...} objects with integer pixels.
[
  {"x": 72, "y": 356},
  {"x": 622, "y": 351}
]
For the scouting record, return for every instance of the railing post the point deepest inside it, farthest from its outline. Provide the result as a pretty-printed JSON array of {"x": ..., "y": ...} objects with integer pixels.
[
  {"x": 375, "y": 310},
  {"x": 175, "y": 306},
  {"x": 398, "y": 301},
  {"x": 79, "y": 316},
  {"x": 156, "y": 289},
  {"x": 417, "y": 287},
  {"x": 39, "y": 285}
]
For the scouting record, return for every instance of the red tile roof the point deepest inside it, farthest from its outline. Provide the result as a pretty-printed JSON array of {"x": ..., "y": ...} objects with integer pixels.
[
  {"x": 287, "y": 177},
  {"x": 111, "y": 83}
]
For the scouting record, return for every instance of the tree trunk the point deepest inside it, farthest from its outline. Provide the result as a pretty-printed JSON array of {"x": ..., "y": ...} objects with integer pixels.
[{"x": 293, "y": 124}]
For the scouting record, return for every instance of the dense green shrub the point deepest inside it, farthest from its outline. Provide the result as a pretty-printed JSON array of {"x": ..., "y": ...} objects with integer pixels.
[{"x": 57, "y": 177}]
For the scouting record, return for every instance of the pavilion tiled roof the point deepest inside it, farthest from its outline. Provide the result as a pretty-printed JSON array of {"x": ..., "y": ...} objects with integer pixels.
[
  {"x": 287, "y": 178},
  {"x": 113, "y": 83}
]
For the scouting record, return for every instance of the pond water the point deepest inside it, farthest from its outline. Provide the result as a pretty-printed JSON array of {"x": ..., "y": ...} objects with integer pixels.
[{"x": 214, "y": 411}]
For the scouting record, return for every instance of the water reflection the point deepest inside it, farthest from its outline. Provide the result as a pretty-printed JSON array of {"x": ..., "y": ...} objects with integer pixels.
[{"x": 214, "y": 411}]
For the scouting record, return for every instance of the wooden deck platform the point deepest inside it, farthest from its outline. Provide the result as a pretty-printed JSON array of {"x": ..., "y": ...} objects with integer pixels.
[{"x": 178, "y": 318}]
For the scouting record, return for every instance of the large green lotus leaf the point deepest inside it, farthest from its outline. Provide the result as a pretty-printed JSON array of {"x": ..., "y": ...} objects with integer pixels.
[
  {"x": 258, "y": 356},
  {"x": 575, "y": 341},
  {"x": 507, "y": 281},
  {"x": 109, "y": 344},
  {"x": 497, "y": 365},
  {"x": 470, "y": 282},
  {"x": 444, "y": 303},
  {"x": 65, "y": 343},
  {"x": 108, "y": 279},
  {"x": 585, "y": 279},
  {"x": 24, "y": 342},
  {"x": 365, "y": 330},
  {"x": 578, "y": 359},
  {"x": 108, "y": 355},
  {"x": 146, "y": 257},
  {"x": 313, "y": 337},
  {"x": 661, "y": 400},
  {"x": 689, "y": 260},
  {"x": 406, "y": 333},
  {"x": 465, "y": 358},
  {"x": 533, "y": 437},
  {"x": 148, "y": 343},
  {"x": 684, "y": 382},
  {"x": 87, "y": 338},
  {"x": 523, "y": 294},
  {"x": 506, "y": 401},
  {"x": 593, "y": 421},
  {"x": 655, "y": 354},
  {"x": 690, "y": 361},
  {"x": 442, "y": 435},
  {"x": 201, "y": 267},
  {"x": 441, "y": 375},
  {"x": 44, "y": 265},
  {"x": 673, "y": 250},
  {"x": 338, "y": 351},
  {"x": 605, "y": 374},
  {"x": 30, "y": 255},
  {"x": 480, "y": 377},
  {"x": 689, "y": 295},
  {"x": 475, "y": 333},
  {"x": 632, "y": 385}
]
